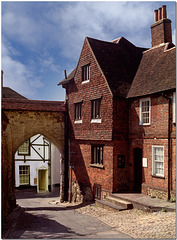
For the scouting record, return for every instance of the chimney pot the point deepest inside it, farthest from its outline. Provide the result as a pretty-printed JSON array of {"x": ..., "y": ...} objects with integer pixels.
[
  {"x": 164, "y": 12},
  {"x": 160, "y": 13},
  {"x": 161, "y": 30},
  {"x": 156, "y": 15}
]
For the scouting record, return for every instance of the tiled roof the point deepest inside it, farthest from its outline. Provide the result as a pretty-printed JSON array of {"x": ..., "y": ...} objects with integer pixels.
[
  {"x": 10, "y": 93},
  {"x": 119, "y": 61},
  {"x": 156, "y": 72},
  {"x": 68, "y": 79},
  {"x": 33, "y": 105}
]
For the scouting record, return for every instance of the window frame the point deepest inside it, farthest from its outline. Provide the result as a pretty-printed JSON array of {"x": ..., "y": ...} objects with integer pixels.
[
  {"x": 78, "y": 112},
  {"x": 174, "y": 107},
  {"x": 96, "y": 110},
  {"x": 95, "y": 151},
  {"x": 141, "y": 112},
  {"x": 22, "y": 153},
  {"x": 85, "y": 73},
  {"x": 154, "y": 161},
  {"x": 23, "y": 175}
]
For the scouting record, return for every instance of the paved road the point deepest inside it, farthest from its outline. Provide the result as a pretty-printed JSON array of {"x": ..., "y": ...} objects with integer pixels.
[{"x": 43, "y": 218}]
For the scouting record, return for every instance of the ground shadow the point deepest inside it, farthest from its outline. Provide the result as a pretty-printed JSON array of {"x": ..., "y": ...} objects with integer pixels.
[{"x": 40, "y": 226}]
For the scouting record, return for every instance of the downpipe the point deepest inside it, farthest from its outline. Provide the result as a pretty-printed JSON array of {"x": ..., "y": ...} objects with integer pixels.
[{"x": 169, "y": 144}]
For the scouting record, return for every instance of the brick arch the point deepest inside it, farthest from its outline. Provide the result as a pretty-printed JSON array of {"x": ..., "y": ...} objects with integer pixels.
[{"x": 22, "y": 119}]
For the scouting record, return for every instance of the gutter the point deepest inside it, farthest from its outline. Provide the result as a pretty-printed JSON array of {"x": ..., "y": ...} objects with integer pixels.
[{"x": 169, "y": 143}]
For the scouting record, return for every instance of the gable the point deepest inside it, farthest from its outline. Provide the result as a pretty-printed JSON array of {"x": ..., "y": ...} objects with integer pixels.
[{"x": 117, "y": 61}]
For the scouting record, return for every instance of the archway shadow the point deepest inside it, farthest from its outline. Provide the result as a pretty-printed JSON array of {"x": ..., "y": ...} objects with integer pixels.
[{"x": 31, "y": 226}]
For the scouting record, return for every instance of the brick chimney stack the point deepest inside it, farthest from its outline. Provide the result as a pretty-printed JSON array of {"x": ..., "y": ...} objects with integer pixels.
[{"x": 161, "y": 28}]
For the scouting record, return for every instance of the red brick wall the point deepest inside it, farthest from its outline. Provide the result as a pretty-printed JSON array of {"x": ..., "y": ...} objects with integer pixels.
[
  {"x": 86, "y": 174},
  {"x": 154, "y": 134},
  {"x": 120, "y": 119},
  {"x": 96, "y": 88},
  {"x": 120, "y": 177}
]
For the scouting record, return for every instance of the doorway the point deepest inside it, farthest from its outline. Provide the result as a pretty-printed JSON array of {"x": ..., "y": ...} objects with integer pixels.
[
  {"x": 42, "y": 185},
  {"x": 137, "y": 169}
]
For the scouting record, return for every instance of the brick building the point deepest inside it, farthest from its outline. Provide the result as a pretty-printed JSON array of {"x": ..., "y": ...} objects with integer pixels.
[{"x": 121, "y": 107}]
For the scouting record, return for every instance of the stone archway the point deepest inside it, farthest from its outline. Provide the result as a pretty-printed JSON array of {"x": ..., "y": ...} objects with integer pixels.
[{"x": 21, "y": 120}]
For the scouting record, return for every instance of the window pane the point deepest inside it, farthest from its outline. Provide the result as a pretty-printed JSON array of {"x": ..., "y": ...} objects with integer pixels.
[
  {"x": 96, "y": 109},
  {"x": 24, "y": 175},
  {"x": 86, "y": 72},
  {"x": 145, "y": 112},
  {"x": 158, "y": 158},
  {"x": 24, "y": 148},
  {"x": 97, "y": 154},
  {"x": 78, "y": 111}
]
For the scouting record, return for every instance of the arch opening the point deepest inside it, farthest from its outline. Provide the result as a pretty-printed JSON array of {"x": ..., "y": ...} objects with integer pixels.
[{"x": 37, "y": 166}]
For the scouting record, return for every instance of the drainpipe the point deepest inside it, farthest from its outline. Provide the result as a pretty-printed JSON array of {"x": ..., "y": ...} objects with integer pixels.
[{"x": 169, "y": 143}]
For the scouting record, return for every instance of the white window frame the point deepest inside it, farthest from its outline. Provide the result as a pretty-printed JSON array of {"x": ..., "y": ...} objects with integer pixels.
[
  {"x": 174, "y": 107},
  {"x": 24, "y": 149},
  {"x": 153, "y": 161},
  {"x": 24, "y": 175},
  {"x": 140, "y": 114}
]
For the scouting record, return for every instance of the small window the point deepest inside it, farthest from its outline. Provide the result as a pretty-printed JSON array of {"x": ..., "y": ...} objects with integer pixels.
[
  {"x": 174, "y": 107},
  {"x": 96, "y": 109},
  {"x": 24, "y": 175},
  {"x": 78, "y": 111},
  {"x": 97, "y": 155},
  {"x": 86, "y": 72},
  {"x": 158, "y": 160},
  {"x": 145, "y": 111},
  {"x": 97, "y": 191},
  {"x": 24, "y": 149}
]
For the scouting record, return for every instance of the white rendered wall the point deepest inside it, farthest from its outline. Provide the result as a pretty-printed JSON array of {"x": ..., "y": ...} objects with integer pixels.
[{"x": 34, "y": 165}]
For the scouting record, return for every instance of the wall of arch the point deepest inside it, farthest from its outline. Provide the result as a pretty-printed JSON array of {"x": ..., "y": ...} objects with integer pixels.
[{"x": 18, "y": 126}]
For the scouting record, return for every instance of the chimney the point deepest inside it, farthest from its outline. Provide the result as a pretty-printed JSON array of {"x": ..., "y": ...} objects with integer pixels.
[
  {"x": 2, "y": 78},
  {"x": 161, "y": 28}
]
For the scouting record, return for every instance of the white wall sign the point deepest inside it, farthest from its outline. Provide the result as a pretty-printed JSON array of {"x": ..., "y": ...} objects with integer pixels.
[{"x": 144, "y": 162}]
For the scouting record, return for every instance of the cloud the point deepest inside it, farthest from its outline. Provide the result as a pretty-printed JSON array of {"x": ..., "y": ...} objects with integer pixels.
[
  {"x": 17, "y": 75},
  {"x": 40, "y": 39}
]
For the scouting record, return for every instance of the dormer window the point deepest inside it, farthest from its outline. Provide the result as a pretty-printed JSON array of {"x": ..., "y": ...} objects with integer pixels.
[{"x": 86, "y": 73}]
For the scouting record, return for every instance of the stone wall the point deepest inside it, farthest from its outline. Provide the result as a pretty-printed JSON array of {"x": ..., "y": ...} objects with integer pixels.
[{"x": 18, "y": 126}]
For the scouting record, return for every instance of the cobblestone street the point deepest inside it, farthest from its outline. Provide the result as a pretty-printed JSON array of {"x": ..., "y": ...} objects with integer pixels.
[{"x": 136, "y": 223}]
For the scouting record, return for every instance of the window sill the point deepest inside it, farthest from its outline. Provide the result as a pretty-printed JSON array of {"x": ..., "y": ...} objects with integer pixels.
[
  {"x": 96, "y": 121},
  {"x": 85, "y": 81},
  {"x": 144, "y": 124},
  {"x": 97, "y": 165},
  {"x": 155, "y": 176},
  {"x": 78, "y": 121}
]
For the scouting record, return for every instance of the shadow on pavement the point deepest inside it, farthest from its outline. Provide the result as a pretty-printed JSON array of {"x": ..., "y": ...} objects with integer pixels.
[{"x": 40, "y": 226}]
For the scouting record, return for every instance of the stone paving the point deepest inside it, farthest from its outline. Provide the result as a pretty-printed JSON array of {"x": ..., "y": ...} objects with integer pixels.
[
  {"x": 137, "y": 223},
  {"x": 45, "y": 217}
]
